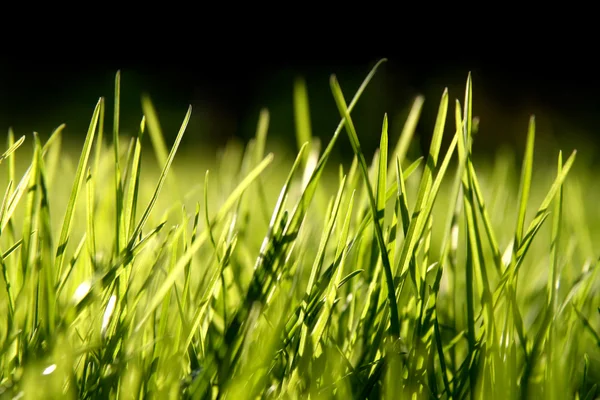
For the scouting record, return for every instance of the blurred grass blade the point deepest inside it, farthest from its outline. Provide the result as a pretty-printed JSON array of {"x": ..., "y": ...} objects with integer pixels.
[
  {"x": 408, "y": 131},
  {"x": 11, "y": 157},
  {"x": 261, "y": 135},
  {"x": 302, "y": 116},
  {"x": 157, "y": 137}
]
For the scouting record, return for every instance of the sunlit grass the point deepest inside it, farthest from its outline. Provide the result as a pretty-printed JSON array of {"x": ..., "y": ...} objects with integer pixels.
[{"x": 252, "y": 276}]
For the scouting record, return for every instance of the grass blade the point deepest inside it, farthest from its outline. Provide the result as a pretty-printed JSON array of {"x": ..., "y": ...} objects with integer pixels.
[
  {"x": 302, "y": 116},
  {"x": 187, "y": 256},
  {"x": 345, "y": 113},
  {"x": 12, "y": 149},
  {"x": 79, "y": 176},
  {"x": 408, "y": 131},
  {"x": 151, "y": 119},
  {"x": 425, "y": 194},
  {"x": 525, "y": 182}
]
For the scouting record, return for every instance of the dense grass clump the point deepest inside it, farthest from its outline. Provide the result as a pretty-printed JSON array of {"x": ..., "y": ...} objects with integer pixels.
[{"x": 425, "y": 277}]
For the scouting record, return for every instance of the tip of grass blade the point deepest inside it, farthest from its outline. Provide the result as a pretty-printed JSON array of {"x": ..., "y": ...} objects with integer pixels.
[{"x": 12, "y": 148}]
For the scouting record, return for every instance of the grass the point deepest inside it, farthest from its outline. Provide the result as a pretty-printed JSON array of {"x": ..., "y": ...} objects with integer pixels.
[{"x": 421, "y": 278}]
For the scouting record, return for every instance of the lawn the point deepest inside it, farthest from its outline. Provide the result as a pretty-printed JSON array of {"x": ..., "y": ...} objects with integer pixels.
[{"x": 131, "y": 272}]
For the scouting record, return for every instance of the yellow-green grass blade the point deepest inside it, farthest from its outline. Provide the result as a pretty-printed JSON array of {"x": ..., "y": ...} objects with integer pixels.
[
  {"x": 157, "y": 137},
  {"x": 12, "y": 148},
  {"x": 79, "y": 177},
  {"x": 151, "y": 120},
  {"x": 408, "y": 131},
  {"x": 187, "y": 256},
  {"x": 419, "y": 216},
  {"x": 302, "y": 116},
  {"x": 345, "y": 113}
]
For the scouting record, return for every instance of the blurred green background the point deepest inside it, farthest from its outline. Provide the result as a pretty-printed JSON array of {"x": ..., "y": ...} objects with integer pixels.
[{"x": 227, "y": 95}]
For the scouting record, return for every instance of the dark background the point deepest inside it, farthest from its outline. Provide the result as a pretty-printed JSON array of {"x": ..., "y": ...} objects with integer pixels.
[{"x": 227, "y": 93}]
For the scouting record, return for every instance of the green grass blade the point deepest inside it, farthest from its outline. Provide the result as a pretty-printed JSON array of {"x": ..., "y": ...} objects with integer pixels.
[
  {"x": 91, "y": 229},
  {"x": 380, "y": 189},
  {"x": 47, "y": 282},
  {"x": 391, "y": 192},
  {"x": 30, "y": 277},
  {"x": 187, "y": 256},
  {"x": 22, "y": 186},
  {"x": 553, "y": 282},
  {"x": 535, "y": 225},
  {"x": 556, "y": 186},
  {"x": 408, "y": 131},
  {"x": 276, "y": 215},
  {"x": 261, "y": 135},
  {"x": 151, "y": 120},
  {"x": 5, "y": 200},
  {"x": 207, "y": 223},
  {"x": 130, "y": 200},
  {"x": 302, "y": 116},
  {"x": 327, "y": 232},
  {"x": 100, "y": 136},
  {"x": 12, "y": 148},
  {"x": 121, "y": 235},
  {"x": 53, "y": 150},
  {"x": 419, "y": 217},
  {"x": 348, "y": 277},
  {"x": 14, "y": 199},
  {"x": 156, "y": 135},
  {"x": 419, "y": 222},
  {"x": 525, "y": 181},
  {"x": 486, "y": 220},
  {"x": 556, "y": 236},
  {"x": 11, "y": 157},
  {"x": 587, "y": 325},
  {"x": 79, "y": 176},
  {"x": 402, "y": 197},
  {"x": 345, "y": 113},
  {"x": 155, "y": 132},
  {"x": 31, "y": 210},
  {"x": 337, "y": 282},
  {"x": 309, "y": 190}
]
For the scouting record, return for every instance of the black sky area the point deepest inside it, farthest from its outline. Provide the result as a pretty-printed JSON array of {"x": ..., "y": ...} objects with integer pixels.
[
  {"x": 52, "y": 91},
  {"x": 29, "y": 82}
]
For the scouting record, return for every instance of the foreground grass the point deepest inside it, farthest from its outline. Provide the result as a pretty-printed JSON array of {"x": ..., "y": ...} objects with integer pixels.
[{"x": 425, "y": 277}]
